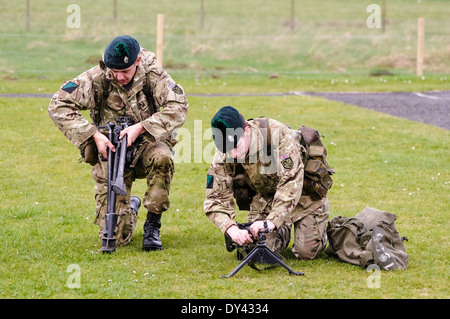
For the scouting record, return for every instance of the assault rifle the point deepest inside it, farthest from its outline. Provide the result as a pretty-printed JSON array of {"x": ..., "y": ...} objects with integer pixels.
[
  {"x": 259, "y": 254},
  {"x": 117, "y": 162}
]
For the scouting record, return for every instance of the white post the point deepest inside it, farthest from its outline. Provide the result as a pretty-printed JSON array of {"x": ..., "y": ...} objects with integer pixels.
[
  {"x": 28, "y": 16},
  {"x": 420, "y": 46},
  {"x": 115, "y": 13},
  {"x": 159, "y": 38}
]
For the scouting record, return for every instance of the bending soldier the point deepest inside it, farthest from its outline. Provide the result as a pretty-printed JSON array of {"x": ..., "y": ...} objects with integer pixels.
[
  {"x": 267, "y": 157},
  {"x": 127, "y": 82}
]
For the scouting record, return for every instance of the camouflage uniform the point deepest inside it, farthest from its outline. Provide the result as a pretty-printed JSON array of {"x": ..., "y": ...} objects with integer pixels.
[
  {"x": 153, "y": 157},
  {"x": 277, "y": 180}
]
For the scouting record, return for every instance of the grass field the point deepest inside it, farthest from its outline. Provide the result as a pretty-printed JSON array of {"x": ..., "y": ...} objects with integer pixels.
[
  {"x": 46, "y": 198},
  {"x": 252, "y": 36},
  {"x": 47, "y": 210}
]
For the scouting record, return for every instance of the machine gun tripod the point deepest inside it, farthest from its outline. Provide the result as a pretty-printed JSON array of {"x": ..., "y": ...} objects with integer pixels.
[{"x": 259, "y": 254}]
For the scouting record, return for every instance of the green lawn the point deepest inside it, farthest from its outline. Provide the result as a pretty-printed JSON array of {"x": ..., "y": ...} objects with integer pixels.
[
  {"x": 252, "y": 36},
  {"x": 47, "y": 209}
]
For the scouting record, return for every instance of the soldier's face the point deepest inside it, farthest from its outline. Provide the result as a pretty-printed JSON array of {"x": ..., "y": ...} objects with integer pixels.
[
  {"x": 241, "y": 149},
  {"x": 126, "y": 75}
]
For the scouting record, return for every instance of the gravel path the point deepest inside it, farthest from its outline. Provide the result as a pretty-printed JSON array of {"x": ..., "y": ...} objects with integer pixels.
[{"x": 430, "y": 107}]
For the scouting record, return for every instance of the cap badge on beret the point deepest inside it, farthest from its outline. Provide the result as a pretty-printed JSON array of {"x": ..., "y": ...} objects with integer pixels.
[
  {"x": 122, "y": 51},
  {"x": 228, "y": 127}
]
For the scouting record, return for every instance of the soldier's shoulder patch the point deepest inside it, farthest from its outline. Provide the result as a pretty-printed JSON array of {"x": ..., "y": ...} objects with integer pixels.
[
  {"x": 69, "y": 87},
  {"x": 209, "y": 181},
  {"x": 287, "y": 162},
  {"x": 176, "y": 88}
]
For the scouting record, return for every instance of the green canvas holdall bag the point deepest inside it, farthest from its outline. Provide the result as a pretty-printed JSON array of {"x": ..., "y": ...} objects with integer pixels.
[{"x": 366, "y": 239}]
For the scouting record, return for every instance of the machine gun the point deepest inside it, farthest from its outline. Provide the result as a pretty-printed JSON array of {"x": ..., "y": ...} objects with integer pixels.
[
  {"x": 259, "y": 254},
  {"x": 117, "y": 162}
]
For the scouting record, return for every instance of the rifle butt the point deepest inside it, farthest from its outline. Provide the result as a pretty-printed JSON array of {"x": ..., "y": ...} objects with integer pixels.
[{"x": 108, "y": 240}]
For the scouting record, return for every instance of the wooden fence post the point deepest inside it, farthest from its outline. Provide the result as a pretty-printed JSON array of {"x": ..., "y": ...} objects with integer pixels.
[
  {"x": 420, "y": 46},
  {"x": 292, "y": 15},
  {"x": 115, "y": 13},
  {"x": 28, "y": 16},
  {"x": 202, "y": 14},
  {"x": 159, "y": 38}
]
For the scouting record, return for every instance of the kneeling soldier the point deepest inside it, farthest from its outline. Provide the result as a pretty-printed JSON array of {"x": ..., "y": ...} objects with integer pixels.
[
  {"x": 127, "y": 82},
  {"x": 267, "y": 157}
]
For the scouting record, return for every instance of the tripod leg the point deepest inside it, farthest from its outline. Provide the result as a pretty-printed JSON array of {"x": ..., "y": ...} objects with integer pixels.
[
  {"x": 273, "y": 257},
  {"x": 262, "y": 253},
  {"x": 268, "y": 251},
  {"x": 246, "y": 260}
]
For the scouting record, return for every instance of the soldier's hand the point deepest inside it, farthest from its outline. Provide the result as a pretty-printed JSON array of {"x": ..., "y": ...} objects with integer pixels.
[
  {"x": 258, "y": 226},
  {"x": 133, "y": 133},
  {"x": 239, "y": 236},
  {"x": 103, "y": 143}
]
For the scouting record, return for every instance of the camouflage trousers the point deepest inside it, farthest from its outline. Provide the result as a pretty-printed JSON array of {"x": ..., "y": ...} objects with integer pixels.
[
  {"x": 153, "y": 162},
  {"x": 308, "y": 220}
]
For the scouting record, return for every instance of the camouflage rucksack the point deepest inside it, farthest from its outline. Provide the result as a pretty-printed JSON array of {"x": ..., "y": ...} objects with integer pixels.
[
  {"x": 317, "y": 180},
  {"x": 368, "y": 238}
]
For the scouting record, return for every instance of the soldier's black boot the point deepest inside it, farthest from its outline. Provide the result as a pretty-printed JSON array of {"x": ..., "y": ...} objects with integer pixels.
[
  {"x": 151, "y": 232},
  {"x": 135, "y": 203}
]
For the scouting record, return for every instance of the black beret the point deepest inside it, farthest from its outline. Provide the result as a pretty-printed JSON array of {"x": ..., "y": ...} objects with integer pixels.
[
  {"x": 121, "y": 52},
  {"x": 227, "y": 126}
]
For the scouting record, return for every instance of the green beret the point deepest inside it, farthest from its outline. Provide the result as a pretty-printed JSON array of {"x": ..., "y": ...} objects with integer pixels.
[
  {"x": 121, "y": 52},
  {"x": 227, "y": 127}
]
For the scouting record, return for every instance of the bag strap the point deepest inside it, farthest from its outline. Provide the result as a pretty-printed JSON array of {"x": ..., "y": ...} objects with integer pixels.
[
  {"x": 101, "y": 99},
  {"x": 105, "y": 94},
  {"x": 148, "y": 96},
  {"x": 263, "y": 123}
]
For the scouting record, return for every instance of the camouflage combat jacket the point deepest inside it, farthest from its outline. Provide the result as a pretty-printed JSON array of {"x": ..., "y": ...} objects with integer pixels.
[
  {"x": 84, "y": 92},
  {"x": 278, "y": 176}
]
